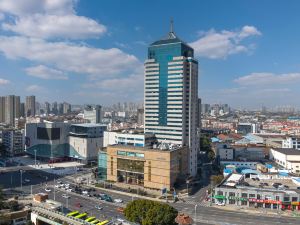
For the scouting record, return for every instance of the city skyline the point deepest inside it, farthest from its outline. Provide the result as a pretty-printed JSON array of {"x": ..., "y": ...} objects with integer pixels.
[{"x": 98, "y": 58}]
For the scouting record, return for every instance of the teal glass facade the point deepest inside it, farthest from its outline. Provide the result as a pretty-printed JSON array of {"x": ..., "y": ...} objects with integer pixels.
[
  {"x": 102, "y": 165},
  {"x": 163, "y": 52}
]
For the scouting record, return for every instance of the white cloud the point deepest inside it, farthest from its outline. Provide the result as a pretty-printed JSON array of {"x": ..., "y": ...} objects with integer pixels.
[
  {"x": 214, "y": 45},
  {"x": 34, "y": 88},
  {"x": 4, "y": 82},
  {"x": 69, "y": 57},
  {"x": 46, "y": 73},
  {"x": 268, "y": 79},
  {"x": 126, "y": 88},
  {"x": 49, "y": 19}
]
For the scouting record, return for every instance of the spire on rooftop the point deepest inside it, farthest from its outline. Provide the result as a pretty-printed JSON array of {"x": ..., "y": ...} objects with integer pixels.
[{"x": 171, "y": 33}]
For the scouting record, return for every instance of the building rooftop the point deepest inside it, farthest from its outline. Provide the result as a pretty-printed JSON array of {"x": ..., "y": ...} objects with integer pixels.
[
  {"x": 147, "y": 148},
  {"x": 170, "y": 39},
  {"x": 88, "y": 125},
  {"x": 287, "y": 151}
]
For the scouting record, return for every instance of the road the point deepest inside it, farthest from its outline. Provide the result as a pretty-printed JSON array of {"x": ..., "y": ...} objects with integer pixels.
[{"x": 205, "y": 215}]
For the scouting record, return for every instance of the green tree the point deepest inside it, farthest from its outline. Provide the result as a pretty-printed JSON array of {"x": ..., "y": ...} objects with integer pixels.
[
  {"x": 13, "y": 205},
  {"x": 148, "y": 212},
  {"x": 216, "y": 179},
  {"x": 205, "y": 143},
  {"x": 29, "y": 222},
  {"x": 211, "y": 155}
]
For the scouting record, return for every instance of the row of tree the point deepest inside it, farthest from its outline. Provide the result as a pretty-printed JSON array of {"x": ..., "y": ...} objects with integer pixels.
[{"x": 147, "y": 212}]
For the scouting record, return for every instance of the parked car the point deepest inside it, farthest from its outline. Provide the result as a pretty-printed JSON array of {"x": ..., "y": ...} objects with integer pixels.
[
  {"x": 27, "y": 180},
  {"x": 220, "y": 203},
  {"x": 78, "y": 205},
  {"x": 120, "y": 209},
  {"x": 65, "y": 196},
  {"x": 98, "y": 207},
  {"x": 118, "y": 200},
  {"x": 47, "y": 189}
]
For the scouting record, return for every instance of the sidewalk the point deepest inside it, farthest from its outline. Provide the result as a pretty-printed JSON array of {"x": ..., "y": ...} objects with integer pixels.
[
  {"x": 264, "y": 212},
  {"x": 62, "y": 168}
]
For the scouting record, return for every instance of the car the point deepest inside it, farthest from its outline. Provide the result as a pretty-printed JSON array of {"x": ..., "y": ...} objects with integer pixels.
[
  {"x": 84, "y": 192},
  {"x": 65, "y": 196},
  {"x": 57, "y": 186},
  {"x": 220, "y": 203},
  {"x": 47, "y": 189},
  {"x": 118, "y": 200},
  {"x": 120, "y": 209},
  {"x": 27, "y": 180},
  {"x": 59, "y": 182},
  {"x": 108, "y": 199},
  {"x": 286, "y": 186},
  {"x": 298, "y": 188},
  {"x": 78, "y": 205},
  {"x": 98, "y": 207}
]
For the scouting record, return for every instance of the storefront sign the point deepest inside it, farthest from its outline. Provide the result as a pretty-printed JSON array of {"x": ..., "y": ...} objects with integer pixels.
[{"x": 295, "y": 203}]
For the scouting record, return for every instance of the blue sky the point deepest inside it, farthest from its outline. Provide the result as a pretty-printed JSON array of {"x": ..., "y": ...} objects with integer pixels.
[{"x": 92, "y": 51}]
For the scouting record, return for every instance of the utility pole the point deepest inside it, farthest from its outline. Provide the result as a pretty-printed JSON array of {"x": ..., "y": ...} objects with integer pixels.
[
  {"x": 35, "y": 158},
  {"x": 196, "y": 213},
  {"x": 21, "y": 172},
  {"x": 54, "y": 189}
]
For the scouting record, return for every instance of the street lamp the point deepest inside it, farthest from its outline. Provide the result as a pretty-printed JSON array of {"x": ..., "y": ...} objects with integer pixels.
[
  {"x": 35, "y": 158},
  {"x": 196, "y": 213},
  {"x": 21, "y": 173}
]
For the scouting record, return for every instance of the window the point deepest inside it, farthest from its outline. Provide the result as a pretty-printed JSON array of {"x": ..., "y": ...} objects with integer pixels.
[
  {"x": 251, "y": 195},
  {"x": 277, "y": 198},
  {"x": 244, "y": 195},
  {"x": 294, "y": 199},
  {"x": 258, "y": 196},
  {"x": 231, "y": 194},
  {"x": 111, "y": 165},
  {"x": 286, "y": 199}
]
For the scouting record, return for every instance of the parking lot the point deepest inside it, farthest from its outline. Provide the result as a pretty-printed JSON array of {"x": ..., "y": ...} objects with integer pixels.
[{"x": 281, "y": 184}]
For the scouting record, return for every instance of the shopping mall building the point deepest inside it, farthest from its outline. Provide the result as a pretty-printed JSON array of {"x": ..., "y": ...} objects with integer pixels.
[{"x": 155, "y": 167}]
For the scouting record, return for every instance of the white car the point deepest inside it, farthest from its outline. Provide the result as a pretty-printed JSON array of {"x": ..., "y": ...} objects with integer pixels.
[
  {"x": 57, "y": 185},
  {"x": 27, "y": 180},
  {"x": 98, "y": 207},
  {"x": 48, "y": 189},
  {"x": 69, "y": 190},
  {"x": 118, "y": 200},
  {"x": 65, "y": 196},
  {"x": 220, "y": 203},
  {"x": 84, "y": 192}
]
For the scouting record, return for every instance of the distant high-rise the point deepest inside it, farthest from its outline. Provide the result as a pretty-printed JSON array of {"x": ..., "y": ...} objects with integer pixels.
[
  {"x": 93, "y": 114},
  {"x": 30, "y": 106},
  {"x": 66, "y": 108},
  {"x": 11, "y": 109},
  {"x": 22, "y": 109},
  {"x": 2, "y": 109},
  {"x": 47, "y": 108},
  {"x": 171, "y": 95},
  {"x": 140, "y": 116},
  {"x": 60, "y": 109},
  {"x": 54, "y": 109}
]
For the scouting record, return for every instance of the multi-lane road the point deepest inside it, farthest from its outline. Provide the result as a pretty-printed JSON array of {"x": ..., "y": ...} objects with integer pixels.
[{"x": 204, "y": 214}]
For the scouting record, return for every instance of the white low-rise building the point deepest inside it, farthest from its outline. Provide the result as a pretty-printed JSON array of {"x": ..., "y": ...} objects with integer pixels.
[
  {"x": 291, "y": 142},
  {"x": 288, "y": 158}
]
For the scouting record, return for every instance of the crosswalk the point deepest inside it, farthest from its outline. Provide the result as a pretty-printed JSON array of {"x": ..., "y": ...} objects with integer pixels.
[{"x": 193, "y": 202}]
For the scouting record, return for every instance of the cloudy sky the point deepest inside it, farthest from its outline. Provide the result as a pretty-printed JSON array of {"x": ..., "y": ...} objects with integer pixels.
[{"x": 90, "y": 51}]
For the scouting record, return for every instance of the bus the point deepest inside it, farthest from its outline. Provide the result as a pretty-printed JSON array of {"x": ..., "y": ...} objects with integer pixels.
[
  {"x": 95, "y": 221},
  {"x": 103, "y": 222},
  {"x": 74, "y": 213},
  {"x": 81, "y": 216},
  {"x": 90, "y": 219}
]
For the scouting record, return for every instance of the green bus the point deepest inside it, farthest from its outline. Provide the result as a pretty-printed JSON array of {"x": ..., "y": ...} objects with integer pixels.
[
  {"x": 74, "y": 213},
  {"x": 103, "y": 222},
  {"x": 95, "y": 221},
  {"x": 81, "y": 216},
  {"x": 90, "y": 219}
]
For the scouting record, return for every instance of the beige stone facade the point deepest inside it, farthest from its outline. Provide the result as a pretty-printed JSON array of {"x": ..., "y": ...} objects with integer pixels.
[{"x": 151, "y": 168}]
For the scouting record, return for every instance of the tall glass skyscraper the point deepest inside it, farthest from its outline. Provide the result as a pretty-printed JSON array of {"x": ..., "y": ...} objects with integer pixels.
[{"x": 171, "y": 94}]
